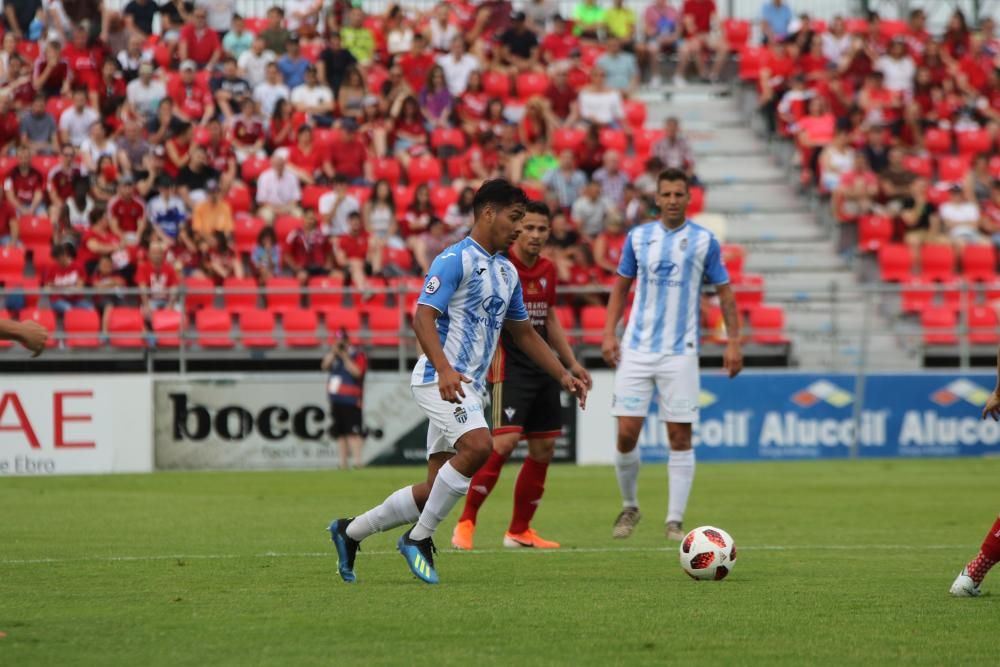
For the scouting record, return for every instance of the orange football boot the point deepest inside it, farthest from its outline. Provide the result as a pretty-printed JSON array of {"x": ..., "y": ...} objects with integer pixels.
[
  {"x": 461, "y": 538},
  {"x": 528, "y": 538}
]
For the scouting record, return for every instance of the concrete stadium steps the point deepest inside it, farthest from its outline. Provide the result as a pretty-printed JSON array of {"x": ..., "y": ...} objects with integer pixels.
[{"x": 784, "y": 240}]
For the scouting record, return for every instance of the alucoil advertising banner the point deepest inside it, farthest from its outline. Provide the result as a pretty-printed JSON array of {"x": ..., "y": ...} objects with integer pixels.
[{"x": 769, "y": 416}]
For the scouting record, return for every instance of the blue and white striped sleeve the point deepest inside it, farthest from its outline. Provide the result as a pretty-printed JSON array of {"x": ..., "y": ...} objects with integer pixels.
[
  {"x": 443, "y": 278},
  {"x": 715, "y": 270},
  {"x": 627, "y": 265}
]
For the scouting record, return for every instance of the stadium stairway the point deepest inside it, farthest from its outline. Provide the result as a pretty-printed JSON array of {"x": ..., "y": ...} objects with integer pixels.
[{"x": 783, "y": 237}]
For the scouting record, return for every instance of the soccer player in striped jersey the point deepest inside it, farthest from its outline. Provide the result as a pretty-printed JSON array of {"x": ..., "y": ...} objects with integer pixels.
[
  {"x": 967, "y": 583},
  {"x": 471, "y": 291},
  {"x": 526, "y": 402},
  {"x": 668, "y": 260}
]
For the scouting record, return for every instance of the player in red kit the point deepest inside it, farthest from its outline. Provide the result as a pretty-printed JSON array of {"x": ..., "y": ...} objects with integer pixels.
[
  {"x": 967, "y": 583},
  {"x": 526, "y": 402}
]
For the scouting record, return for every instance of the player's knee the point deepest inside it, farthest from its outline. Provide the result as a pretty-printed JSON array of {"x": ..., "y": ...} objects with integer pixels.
[
  {"x": 476, "y": 447},
  {"x": 505, "y": 444},
  {"x": 542, "y": 450},
  {"x": 679, "y": 436},
  {"x": 628, "y": 434}
]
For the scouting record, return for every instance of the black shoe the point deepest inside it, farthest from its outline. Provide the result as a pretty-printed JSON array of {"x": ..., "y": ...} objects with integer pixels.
[
  {"x": 347, "y": 548},
  {"x": 419, "y": 555}
]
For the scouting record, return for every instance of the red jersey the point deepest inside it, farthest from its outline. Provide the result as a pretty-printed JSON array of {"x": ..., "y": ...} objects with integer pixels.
[
  {"x": 65, "y": 276},
  {"x": 62, "y": 181},
  {"x": 182, "y": 149},
  {"x": 613, "y": 246},
  {"x": 538, "y": 285},
  {"x": 128, "y": 212},
  {"x": 191, "y": 100},
  {"x": 159, "y": 280},
  {"x": 355, "y": 247},
  {"x": 308, "y": 248},
  {"x": 415, "y": 69},
  {"x": 348, "y": 157},
  {"x": 308, "y": 162},
  {"x": 58, "y": 76},
  {"x": 701, "y": 11},
  {"x": 201, "y": 45},
  {"x": 220, "y": 155},
  {"x": 247, "y": 132},
  {"x": 10, "y": 128},
  {"x": 24, "y": 185},
  {"x": 85, "y": 254},
  {"x": 559, "y": 46},
  {"x": 84, "y": 65}
]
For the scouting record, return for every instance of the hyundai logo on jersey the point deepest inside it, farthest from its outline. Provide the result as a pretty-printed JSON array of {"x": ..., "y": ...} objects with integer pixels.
[
  {"x": 494, "y": 305},
  {"x": 665, "y": 268}
]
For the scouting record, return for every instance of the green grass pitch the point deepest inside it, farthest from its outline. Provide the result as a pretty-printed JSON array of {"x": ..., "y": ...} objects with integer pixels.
[{"x": 840, "y": 563}]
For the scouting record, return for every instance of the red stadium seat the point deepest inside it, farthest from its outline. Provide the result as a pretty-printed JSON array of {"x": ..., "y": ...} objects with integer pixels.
[
  {"x": 955, "y": 296},
  {"x": 199, "y": 293},
  {"x": 424, "y": 169},
  {"x": 592, "y": 319},
  {"x": 285, "y": 225},
  {"x": 613, "y": 140},
  {"x": 953, "y": 168},
  {"x": 496, "y": 84},
  {"x": 940, "y": 325},
  {"x": 311, "y": 51},
  {"x": 45, "y": 318},
  {"x": 319, "y": 299},
  {"x": 286, "y": 298},
  {"x": 239, "y": 198},
  {"x": 856, "y": 25},
  {"x": 971, "y": 142},
  {"x": 644, "y": 140},
  {"x": 751, "y": 60},
  {"x": 5, "y": 315},
  {"x": 214, "y": 328},
  {"x": 340, "y": 317},
  {"x": 737, "y": 33},
  {"x": 56, "y": 105},
  {"x": 126, "y": 328},
  {"x": 767, "y": 324},
  {"x": 916, "y": 293},
  {"x": 44, "y": 164},
  {"x": 984, "y": 326},
  {"x": 167, "y": 327},
  {"x": 459, "y": 166},
  {"x": 245, "y": 232},
  {"x": 30, "y": 50},
  {"x": 748, "y": 291},
  {"x": 360, "y": 192},
  {"x": 734, "y": 256},
  {"x": 696, "y": 203},
  {"x": 402, "y": 195},
  {"x": 635, "y": 113},
  {"x": 920, "y": 165},
  {"x": 34, "y": 230},
  {"x": 567, "y": 320},
  {"x": 979, "y": 263},
  {"x": 589, "y": 54},
  {"x": 995, "y": 166},
  {"x": 239, "y": 294},
  {"x": 12, "y": 262},
  {"x": 379, "y": 296},
  {"x": 937, "y": 141},
  {"x": 633, "y": 166},
  {"x": 937, "y": 262},
  {"x": 31, "y": 288},
  {"x": 384, "y": 325},
  {"x": 253, "y": 167},
  {"x": 530, "y": 84},
  {"x": 567, "y": 139},
  {"x": 450, "y": 137},
  {"x": 873, "y": 232},
  {"x": 41, "y": 257},
  {"x": 325, "y": 137},
  {"x": 300, "y": 328},
  {"x": 82, "y": 327},
  {"x": 257, "y": 328},
  {"x": 255, "y": 24},
  {"x": 312, "y": 193},
  {"x": 889, "y": 28},
  {"x": 443, "y": 196},
  {"x": 895, "y": 262},
  {"x": 387, "y": 169}
]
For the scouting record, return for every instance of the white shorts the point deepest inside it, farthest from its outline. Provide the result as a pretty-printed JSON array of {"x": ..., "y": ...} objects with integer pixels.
[
  {"x": 448, "y": 421},
  {"x": 676, "y": 380}
]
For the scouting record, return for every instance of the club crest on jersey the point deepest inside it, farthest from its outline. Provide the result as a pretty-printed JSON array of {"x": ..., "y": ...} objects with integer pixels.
[
  {"x": 684, "y": 244},
  {"x": 543, "y": 282},
  {"x": 510, "y": 413},
  {"x": 460, "y": 416},
  {"x": 503, "y": 274},
  {"x": 433, "y": 284}
]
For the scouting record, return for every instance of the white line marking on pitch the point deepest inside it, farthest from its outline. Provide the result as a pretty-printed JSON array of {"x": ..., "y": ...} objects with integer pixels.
[{"x": 478, "y": 552}]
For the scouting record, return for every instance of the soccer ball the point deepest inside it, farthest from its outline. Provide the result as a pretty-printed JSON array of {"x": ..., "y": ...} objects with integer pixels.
[{"x": 708, "y": 553}]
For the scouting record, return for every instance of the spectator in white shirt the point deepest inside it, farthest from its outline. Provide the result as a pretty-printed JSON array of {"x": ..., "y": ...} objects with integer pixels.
[
  {"x": 442, "y": 32},
  {"x": 898, "y": 68},
  {"x": 599, "y": 104},
  {"x": 836, "y": 41},
  {"x": 273, "y": 89},
  {"x": 75, "y": 122},
  {"x": 220, "y": 13},
  {"x": 457, "y": 64},
  {"x": 960, "y": 219},
  {"x": 314, "y": 99},
  {"x": 144, "y": 93},
  {"x": 253, "y": 63},
  {"x": 302, "y": 16},
  {"x": 336, "y": 206},
  {"x": 278, "y": 191}
]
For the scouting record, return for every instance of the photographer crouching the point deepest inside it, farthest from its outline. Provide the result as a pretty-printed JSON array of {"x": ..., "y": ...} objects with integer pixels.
[{"x": 346, "y": 365}]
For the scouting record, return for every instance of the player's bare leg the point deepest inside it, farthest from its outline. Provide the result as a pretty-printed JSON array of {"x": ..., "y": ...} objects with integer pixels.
[
  {"x": 480, "y": 488},
  {"x": 627, "y": 471},
  {"x": 967, "y": 583},
  {"x": 680, "y": 471},
  {"x": 528, "y": 493}
]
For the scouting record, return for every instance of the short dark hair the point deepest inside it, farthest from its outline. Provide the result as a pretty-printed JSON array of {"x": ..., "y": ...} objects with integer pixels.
[
  {"x": 498, "y": 193},
  {"x": 673, "y": 175},
  {"x": 538, "y": 208}
]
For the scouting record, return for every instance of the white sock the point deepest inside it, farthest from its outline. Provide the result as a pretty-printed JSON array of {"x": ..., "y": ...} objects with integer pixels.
[
  {"x": 449, "y": 487},
  {"x": 398, "y": 509},
  {"x": 627, "y": 470},
  {"x": 680, "y": 471}
]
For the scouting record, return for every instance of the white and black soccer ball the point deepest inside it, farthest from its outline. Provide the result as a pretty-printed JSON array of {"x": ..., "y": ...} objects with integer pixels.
[{"x": 708, "y": 553}]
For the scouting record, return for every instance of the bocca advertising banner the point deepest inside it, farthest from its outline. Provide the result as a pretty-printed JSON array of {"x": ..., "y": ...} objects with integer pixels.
[{"x": 787, "y": 416}]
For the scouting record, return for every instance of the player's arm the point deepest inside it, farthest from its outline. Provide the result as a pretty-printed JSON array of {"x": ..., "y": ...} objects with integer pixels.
[
  {"x": 628, "y": 268},
  {"x": 30, "y": 334},
  {"x": 533, "y": 345},
  {"x": 557, "y": 339},
  {"x": 442, "y": 280},
  {"x": 993, "y": 403},
  {"x": 716, "y": 274}
]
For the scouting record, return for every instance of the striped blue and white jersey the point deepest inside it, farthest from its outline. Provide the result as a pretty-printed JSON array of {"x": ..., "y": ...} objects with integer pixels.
[
  {"x": 474, "y": 292},
  {"x": 669, "y": 268}
]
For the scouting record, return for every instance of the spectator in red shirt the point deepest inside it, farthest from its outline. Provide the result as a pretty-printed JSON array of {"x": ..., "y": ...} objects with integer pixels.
[
  {"x": 100, "y": 240},
  {"x": 349, "y": 156},
  {"x": 199, "y": 42},
  {"x": 916, "y": 35},
  {"x": 64, "y": 277},
  {"x": 308, "y": 251},
  {"x": 562, "y": 97},
  {"x": 25, "y": 186},
  {"x": 8, "y": 224},
  {"x": 85, "y": 63},
  {"x": 351, "y": 251},
  {"x": 157, "y": 281},
  {"x": 220, "y": 154},
  {"x": 192, "y": 98},
  {"x": 417, "y": 63},
  {"x": 51, "y": 72},
  {"x": 608, "y": 245},
  {"x": 127, "y": 211},
  {"x": 306, "y": 161},
  {"x": 558, "y": 45},
  {"x": 178, "y": 150},
  {"x": 248, "y": 132},
  {"x": 218, "y": 260},
  {"x": 409, "y": 131},
  {"x": 10, "y": 127},
  {"x": 957, "y": 35},
  {"x": 696, "y": 26}
]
